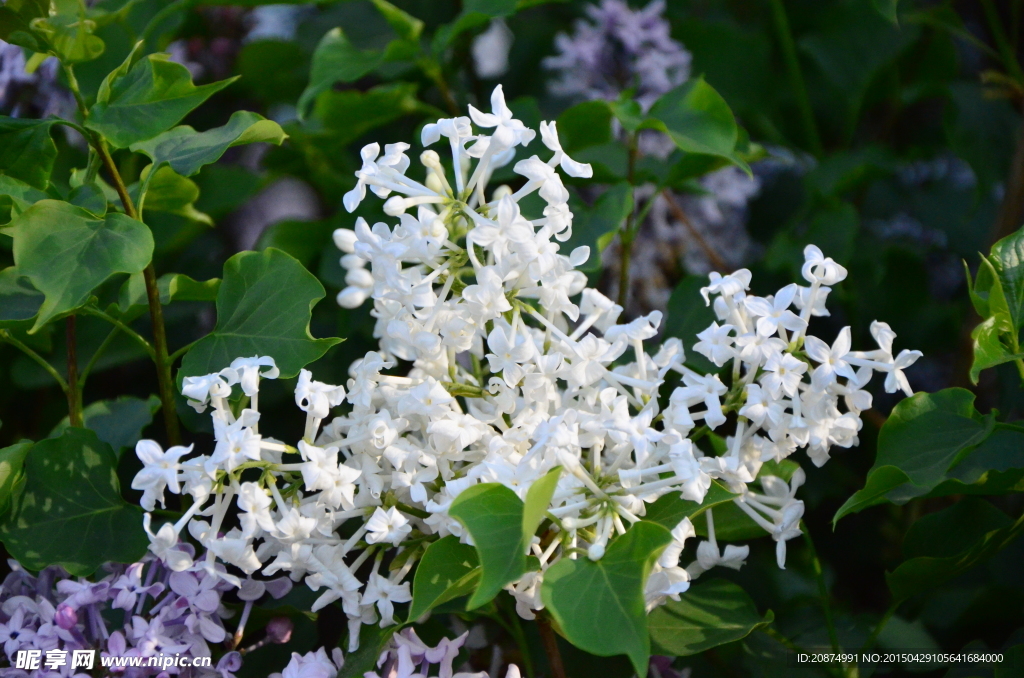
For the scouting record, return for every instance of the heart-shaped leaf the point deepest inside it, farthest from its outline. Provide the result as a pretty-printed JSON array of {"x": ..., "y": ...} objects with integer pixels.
[
  {"x": 599, "y": 605},
  {"x": 264, "y": 306},
  {"x": 186, "y": 150},
  {"x": 67, "y": 252},
  {"x": 70, "y": 512},
  {"x": 708, "y": 614},
  {"x": 447, "y": 570}
]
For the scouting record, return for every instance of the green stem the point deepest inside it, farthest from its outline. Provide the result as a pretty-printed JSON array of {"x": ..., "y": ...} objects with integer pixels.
[
  {"x": 74, "y": 391},
  {"x": 870, "y": 642},
  {"x": 6, "y": 336},
  {"x": 627, "y": 232},
  {"x": 819, "y": 575},
  {"x": 796, "y": 78},
  {"x": 91, "y": 310},
  {"x": 1006, "y": 52},
  {"x": 156, "y": 312},
  {"x": 84, "y": 375}
]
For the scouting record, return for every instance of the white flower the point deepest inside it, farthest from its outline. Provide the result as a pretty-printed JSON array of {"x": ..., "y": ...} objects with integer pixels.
[
  {"x": 832, "y": 360},
  {"x": 160, "y": 470},
  {"x": 508, "y": 131},
  {"x": 782, "y": 375},
  {"x": 820, "y": 269},
  {"x": 315, "y": 397},
  {"x": 774, "y": 313},
  {"x": 549, "y": 135},
  {"x": 249, "y": 372},
  {"x": 387, "y": 526},
  {"x": 716, "y": 344},
  {"x": 385, "y": 594}
]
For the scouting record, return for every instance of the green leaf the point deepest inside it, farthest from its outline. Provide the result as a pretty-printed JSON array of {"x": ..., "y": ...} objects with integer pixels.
[
  {"x": 70, "y": 512},
  {"x": 119, "y": 423},
  {"x": 585, "y": 125},
  {"x": 887, "y": 8},
  {"x": 447, "y": 570},
  {"x": 15, "y": 197},
  {"x": 67, "y": 253},
  {"x": 12, "y": 476},
  {"x": 350, "y": 114},
  {"x": 670, "y": 509},
  {"x": 27, "y": 151},
  {"x": 989, "y": 350},
  {"x": 372, "y": 640},
  {"x": 404, "y": 24},
  {"x": 687, "y": 314},
  {"x": 946, "y": 544},
  {"x": 921, "y": 440},
  {"x": 133, "y": 299},
  {"x": 698, "y": 120},
  {"x": 1007, "y": 261},
  {"x": 599, "y": 605},
  {"x": 153, "y": 96},
  {"x": 595, "y": 227},
  {"x": 336, "y": 60},
  {"x": 69, "y": 35},
  {"x": 708, "y": 614},
  {"x": 538, "y": 499},
  {"x": 167, "y": 191},
  {"x": 186, "y": 150},
  {"x": 19, "y": 301},
  {"x": 89, "y": 197},
  {"x": 493, "y": 514},
  {"x": 264, "y": 306}
]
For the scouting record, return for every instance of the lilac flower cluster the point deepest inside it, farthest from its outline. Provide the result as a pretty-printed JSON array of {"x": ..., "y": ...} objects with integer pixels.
[
  {"x": 406, "y": 656},
  {"x": 158, "y": 611},
  {"x": 35, "y": 94},
  {"x": 620, "y": 48}
]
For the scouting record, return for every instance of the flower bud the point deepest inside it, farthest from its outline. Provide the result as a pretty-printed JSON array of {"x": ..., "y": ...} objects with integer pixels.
[
  {"x": 345, "y": 240},
  {"x": 279, "y": 630},
  {"x": 66, "y": 617}
]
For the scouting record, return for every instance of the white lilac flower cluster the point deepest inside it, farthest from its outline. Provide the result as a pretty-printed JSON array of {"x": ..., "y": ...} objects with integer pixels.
[
  {"x": 511, "y": 367},
  {"x": 405, "y": 657},
  {"x": 138, "y": 610}
]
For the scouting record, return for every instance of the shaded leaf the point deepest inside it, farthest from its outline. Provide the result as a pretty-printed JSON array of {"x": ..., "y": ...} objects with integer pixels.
[
  {"x": 66, "y": 252},
  {"x": 336, "y": 59},
  {"x": 447, "y": 570},
  {"x": 698, "y": 120},
  {"x": 595, "y": 227},
  {"x": 186, "y": 150},
  {"x": 119, "y": 423},
  {"x": 264, "y": 306},
  {"x": 168, "y": 191},
  {"x": 599, "y": 605},
  {"x": 70, "y": 512},
  {"x": 19, "y": 301},
  {"x": 686, "y": 315},
  {"x": 12, "y": 477},
  {"x": 493, "y": 514},
  {"x": 153, "y": 96},
  {"x": 89, "y": 197},
  {"x": 945, "y": 544},
  {"x": 669, "y": 509},
  {"x": 921, "y": 440},
  {"x": 349, "y": 114},
  {"x": 708, "y": 614},
  {"x": 27, "y": 151}
]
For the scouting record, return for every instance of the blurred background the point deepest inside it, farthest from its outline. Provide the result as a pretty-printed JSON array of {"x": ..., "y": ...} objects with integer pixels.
[{"x": 888, "y": 134}]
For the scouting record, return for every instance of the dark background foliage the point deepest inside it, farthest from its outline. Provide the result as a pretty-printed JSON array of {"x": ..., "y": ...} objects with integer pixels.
[{"x": 906, "y": 160}]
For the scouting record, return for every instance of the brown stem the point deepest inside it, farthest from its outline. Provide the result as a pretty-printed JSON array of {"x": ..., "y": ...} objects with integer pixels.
[
  {"x": 1010, "y": 210},
  {"x": 677, "y": 211},
  {"x": 550, "y": 642},
  {"x": 73, "y": 392},
  {"x": 156, "y": 311}
]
